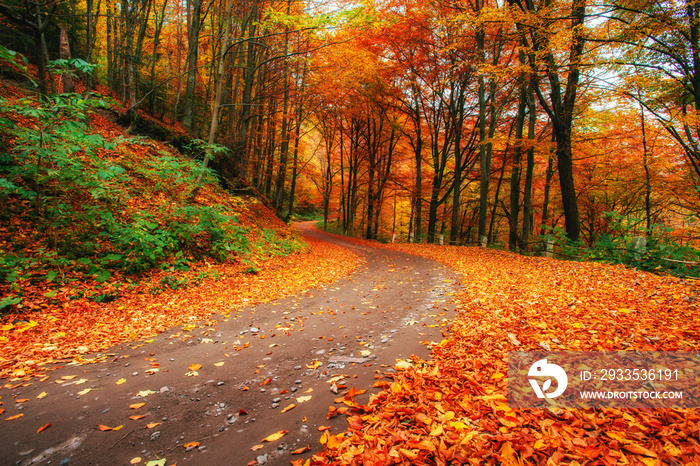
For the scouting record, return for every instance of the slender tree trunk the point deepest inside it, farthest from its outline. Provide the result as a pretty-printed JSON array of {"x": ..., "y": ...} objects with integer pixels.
[
  {"x": 484, "y": 160},
  {"x": 517, "y": 164},
  {"x": 527, "y": 200},
  {"x": 547, "y": 186},
  {"x": 193, "y": 29},
  {"x": 214, "y": 124}
]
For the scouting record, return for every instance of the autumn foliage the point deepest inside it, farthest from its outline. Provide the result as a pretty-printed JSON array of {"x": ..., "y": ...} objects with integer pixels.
[{"x": 452, "y": 409}]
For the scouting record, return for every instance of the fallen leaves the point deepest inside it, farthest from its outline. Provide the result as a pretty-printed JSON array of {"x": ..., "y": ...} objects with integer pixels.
[
  {"x": 275, "y": 436},
  {"x": 136, "y": 405},
  {"x": 104, "y": 428},
  {"x": 288, "y": 408},
  {"x": 452, "y": 409},
  {"x": 43, "y": 428},
  {"x": 83, "y": 326},
  {"x": 195, "y": 367},
  {"x": 16, "y": 416}
]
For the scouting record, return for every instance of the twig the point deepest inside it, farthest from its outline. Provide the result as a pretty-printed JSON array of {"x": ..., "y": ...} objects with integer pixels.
[{"x": 122, "y": 438}]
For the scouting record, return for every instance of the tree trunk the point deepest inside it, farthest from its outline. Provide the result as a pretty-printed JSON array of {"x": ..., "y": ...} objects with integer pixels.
[{"x": 193, "y": 29}]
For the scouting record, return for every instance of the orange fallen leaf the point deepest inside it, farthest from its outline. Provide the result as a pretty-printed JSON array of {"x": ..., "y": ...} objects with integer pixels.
[
  {"x": 136, "y": 417},
  {"x": 195, "y": 367},
  {"x": 275, "y": 436},
  {"x": 16, "y": 416},
  {"x": 257, "y": 447},
  {"x": 152, "y": 425},
  {"x": 299, "y": 451},
  {"x": 242, "y": 412},
  {"x": 104, "y": 428},
  {"x": 23, "y": 400},
  {"x": 322, "y": 428},
  {"x": 44, "y": 427},
  {"x": 191, "y": 445},
  {"x": 290, "y": 407},
  {"x": 136, "y": 405}
]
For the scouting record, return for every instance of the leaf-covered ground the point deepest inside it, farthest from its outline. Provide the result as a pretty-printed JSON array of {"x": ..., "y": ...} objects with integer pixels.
[
  {"x": 30, "y": 341},
  {"x": 452, "y": 409}
]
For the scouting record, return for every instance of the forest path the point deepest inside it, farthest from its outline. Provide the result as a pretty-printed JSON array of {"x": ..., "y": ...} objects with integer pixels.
[{"x": 388, "y": 309}]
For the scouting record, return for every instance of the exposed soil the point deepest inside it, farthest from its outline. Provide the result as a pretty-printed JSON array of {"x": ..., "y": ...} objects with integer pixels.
[{"x": 391, "y": 308}]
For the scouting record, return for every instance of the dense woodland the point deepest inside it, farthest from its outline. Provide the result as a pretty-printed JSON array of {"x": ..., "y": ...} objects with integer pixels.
[{"x": 507, "y": 122}]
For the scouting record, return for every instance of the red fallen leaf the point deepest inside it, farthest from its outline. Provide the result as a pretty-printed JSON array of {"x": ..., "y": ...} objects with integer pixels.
[
  {"x": 242, "y": 412},
  {"x": 282, "y": 392},
  {"x": 44, "y": 427},
  {"x": 267, "y": 381},
  {"x": 299, "y": 451}
]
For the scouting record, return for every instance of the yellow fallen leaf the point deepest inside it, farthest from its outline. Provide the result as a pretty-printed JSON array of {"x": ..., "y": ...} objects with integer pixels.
[
  {"x": 68, "y": 377},
  {"x": 639, "y": 450},
  {"x": 41, "y": 395},
  {"x": 275, "y": 436},
  {"x": 145, "y": 393},
  {"x": 30, "y": 324},
  {"x": 135, "y": 460},
  {"x": 314, "y": 365},
  {"x": 219, "y": 364},
  {"x": 302, "y": 399},
  {"x": 84, "y": 392},
  {"x": 121, "y": 381},
  {"x": 136, "y": 405}
]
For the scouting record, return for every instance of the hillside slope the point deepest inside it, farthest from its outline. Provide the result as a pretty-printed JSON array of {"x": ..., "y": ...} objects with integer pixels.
[{"x": 99, "y": 233}]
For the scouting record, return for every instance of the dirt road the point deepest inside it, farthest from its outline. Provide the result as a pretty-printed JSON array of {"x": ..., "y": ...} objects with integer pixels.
[{"x": 288, "y": 352}]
